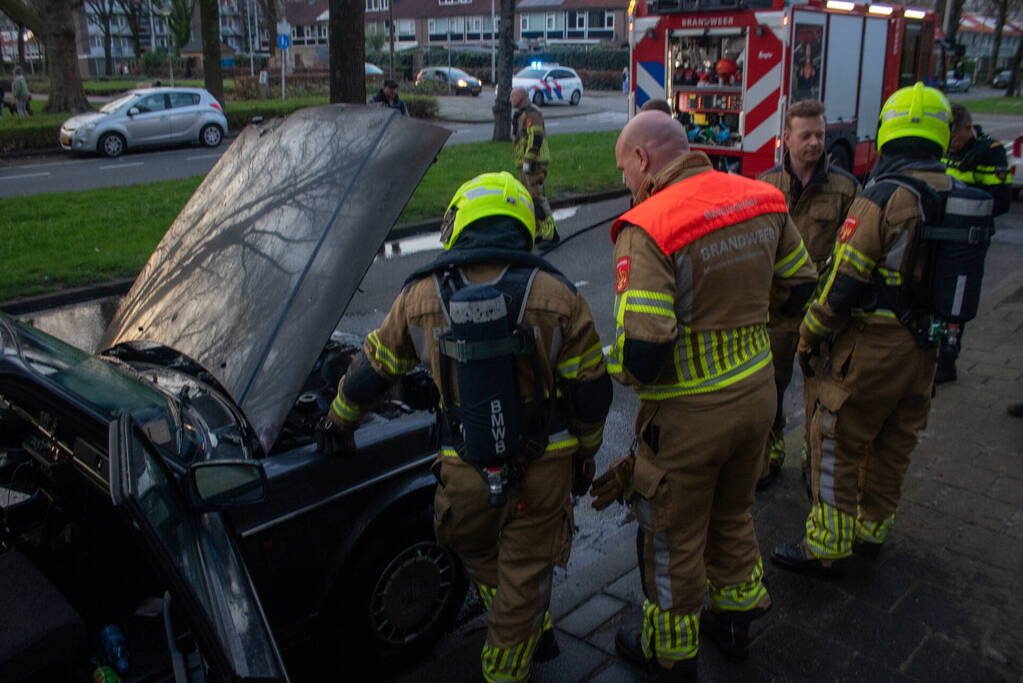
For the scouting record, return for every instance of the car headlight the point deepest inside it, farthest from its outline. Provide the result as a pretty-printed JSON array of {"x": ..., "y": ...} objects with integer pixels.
[{"x": 462, "y": 83}]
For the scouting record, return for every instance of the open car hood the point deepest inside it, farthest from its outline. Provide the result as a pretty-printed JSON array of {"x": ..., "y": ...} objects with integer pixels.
[{"x": 257, "y": 270}]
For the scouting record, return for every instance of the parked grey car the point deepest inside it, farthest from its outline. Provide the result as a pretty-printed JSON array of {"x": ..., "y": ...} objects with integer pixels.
[{"x": 147, "y": 117}]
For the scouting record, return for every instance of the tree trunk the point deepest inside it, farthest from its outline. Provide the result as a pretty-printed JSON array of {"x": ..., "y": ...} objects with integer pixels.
[
  {"x": 213, "y": 76},
  {"x": 271, "y": 16},
  {"x": 21, "y": 48},
  {"x": 347, "y": 37},
  {"x": 108, "y": 52},
  {"x": 1017, "y": 59},
  {"x": 505, "y": 56},
  {"x": 57, "y": 29},
  {"x": 1003, "y": 11}
]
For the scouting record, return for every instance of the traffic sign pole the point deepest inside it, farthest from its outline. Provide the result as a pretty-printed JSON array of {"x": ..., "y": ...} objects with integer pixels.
[{"x": 283, "y": 42}]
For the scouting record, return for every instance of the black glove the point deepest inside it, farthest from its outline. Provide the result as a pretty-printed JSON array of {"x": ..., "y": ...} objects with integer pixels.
[
  {"x": 583, "y": 469},
  {"x": 333, "y": 440}
]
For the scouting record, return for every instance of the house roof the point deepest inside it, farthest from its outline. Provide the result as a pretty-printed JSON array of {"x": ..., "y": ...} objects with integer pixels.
[
  {"x": 311, "y": 11},
  {"x": 978, "y": 23}
]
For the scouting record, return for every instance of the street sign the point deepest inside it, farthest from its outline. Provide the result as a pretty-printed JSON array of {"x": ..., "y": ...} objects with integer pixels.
[{"x": 284, "y": 41}]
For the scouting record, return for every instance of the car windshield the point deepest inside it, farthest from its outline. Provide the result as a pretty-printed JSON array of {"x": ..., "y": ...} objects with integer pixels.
[
  {"x": 105, "y": 387},
  {"x": 114, "y": 105},
  {"x": 531, "y": 73}
]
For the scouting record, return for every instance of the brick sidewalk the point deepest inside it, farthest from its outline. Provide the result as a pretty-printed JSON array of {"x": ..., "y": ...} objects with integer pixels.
[{"x": 938, "y": 606}]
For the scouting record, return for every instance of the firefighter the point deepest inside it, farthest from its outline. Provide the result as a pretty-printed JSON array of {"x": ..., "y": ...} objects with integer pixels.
[
  {"x": 511, "y": 522},
  {"x": 695, "y": 261},
  {"x": 532, "y": 157},
  {"x": 818, "y": 193},
  {"x": 874, "y": 387},
  {"x": 979, "y": 161}
]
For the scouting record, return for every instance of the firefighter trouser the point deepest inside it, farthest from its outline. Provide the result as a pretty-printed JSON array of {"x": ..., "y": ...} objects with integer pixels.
[
  {"x": 509, "y": 552},
  {"x": 784, "y": 338},
  {"x": 698, "y": 461},
  {"x": 873, "y": 396},
  {"x": 534, "y": 181}
]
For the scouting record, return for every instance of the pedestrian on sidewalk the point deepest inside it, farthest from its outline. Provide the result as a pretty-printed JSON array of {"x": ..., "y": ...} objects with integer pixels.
[
  {"x": 388, "y": 97},
  {"x": 818, "y": 193},
  {"x": 19, "y": 88},
  {"x": 875, "y": 380},
  {"x": 510, "y": 454},
  {"x": 979, "y": 161},
  {"x": 532, "y": 157},
  {"x": 699, "y": 260}
]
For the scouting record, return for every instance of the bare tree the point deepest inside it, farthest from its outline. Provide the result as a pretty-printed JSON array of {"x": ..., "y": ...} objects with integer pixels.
[
  {"x": 213, "y": 75},
  {"x": 53, "y": 21},
  {"x": 272, "y": 13},
  {"x": 135, "y": 15},
  {"x": 1003, "y": 11},
  {"x": 505, "y": 56},
  {"x": 22, "y": 62},
  {"x": 347, "y": 36},
  {"x": 1017, "y": 59},
  {"x": 179, "y": 21},
  {"x": 103, "y": 13}
]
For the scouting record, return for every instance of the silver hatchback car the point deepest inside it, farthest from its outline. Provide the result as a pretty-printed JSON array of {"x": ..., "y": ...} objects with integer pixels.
[{"x": 146, "y": 117}]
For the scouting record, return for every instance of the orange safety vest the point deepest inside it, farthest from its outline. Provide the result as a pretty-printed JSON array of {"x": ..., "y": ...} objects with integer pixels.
[{"x": 686, "y": 211}]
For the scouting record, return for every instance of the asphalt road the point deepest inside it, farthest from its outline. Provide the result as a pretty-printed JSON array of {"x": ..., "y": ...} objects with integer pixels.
[{"x": 50, "y": 173}]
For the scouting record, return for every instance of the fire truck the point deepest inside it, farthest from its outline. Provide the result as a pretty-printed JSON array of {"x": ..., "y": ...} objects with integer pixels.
[{"x": 729, "y": 68}]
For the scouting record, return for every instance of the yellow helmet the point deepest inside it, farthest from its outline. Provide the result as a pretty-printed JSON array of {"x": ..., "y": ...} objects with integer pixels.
[
  {"x": 916, "y": 111},
  {"x": 489, "y": 194}
]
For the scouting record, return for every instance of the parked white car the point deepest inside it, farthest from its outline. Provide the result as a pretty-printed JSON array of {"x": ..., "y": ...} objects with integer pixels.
[
  {"x": 1015, "y": 153},
  {"x": 550, "y": 83},
  {"x": 147, "y": 117}
]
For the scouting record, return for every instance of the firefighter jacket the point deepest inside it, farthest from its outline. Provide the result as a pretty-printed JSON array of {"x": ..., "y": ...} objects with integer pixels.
[
  {"x": 982, "y": 163},
  {"x": 570, "y": 352},
  {"x": 874, "y": 244},
  {"x": 819, "y": 208},
  {"x": 695, "y": 262},
  {"x": 529, "y": 138}
]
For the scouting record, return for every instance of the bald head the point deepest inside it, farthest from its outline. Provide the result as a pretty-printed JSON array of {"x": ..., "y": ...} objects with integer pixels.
[
  {"x": 519, "y": 98},
  {"x": 647, "y": 144}
]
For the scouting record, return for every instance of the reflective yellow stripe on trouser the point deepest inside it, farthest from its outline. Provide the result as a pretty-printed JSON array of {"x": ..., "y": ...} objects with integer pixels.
[
  {"x": 739, "y": 597},
  {"x": 874, "y": 532},
  {"x": 673, "y": 637},
  {"x": 829, "y": 532},
  {"x": 508, "y": 663}
]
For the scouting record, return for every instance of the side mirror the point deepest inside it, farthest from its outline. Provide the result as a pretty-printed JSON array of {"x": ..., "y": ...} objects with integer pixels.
[
  {"x": 224, "y": 484},
  {"x": 133, "y": 111}
]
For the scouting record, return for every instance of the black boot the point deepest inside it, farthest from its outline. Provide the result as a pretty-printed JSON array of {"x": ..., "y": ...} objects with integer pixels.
[
  {"x": 547, "y": 647},
  {"x": 946, "y": 371},
  {"x": 866, "y": 549},
  {"x": 794, "y": 557},
  {"x": 729, "y": 631},
  {"x": 629, "y": 644}
]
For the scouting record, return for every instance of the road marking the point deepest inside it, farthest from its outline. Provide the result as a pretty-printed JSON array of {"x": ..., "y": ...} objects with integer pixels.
[
  {"x": 116, "y": 166},
  {"x": 24, "y": 175},
  {"x": 566, "y": 213},
  {"x": 202, "y": 156}
]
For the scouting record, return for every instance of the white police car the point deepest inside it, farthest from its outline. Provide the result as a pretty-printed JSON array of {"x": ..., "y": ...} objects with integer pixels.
[{"x": 550, "y": 83}]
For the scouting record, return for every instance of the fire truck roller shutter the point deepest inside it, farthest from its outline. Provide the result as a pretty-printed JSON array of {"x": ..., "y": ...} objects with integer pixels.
[
  {"x": 875, "y": 43},
  {"x": 843, "y": 67}
]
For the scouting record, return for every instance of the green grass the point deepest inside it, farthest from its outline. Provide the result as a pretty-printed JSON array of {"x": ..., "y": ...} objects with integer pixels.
[
  {"x": 38, "y": 117},
  {"x": 59, "y": 240},
  {"x": 996, "y": 105}
]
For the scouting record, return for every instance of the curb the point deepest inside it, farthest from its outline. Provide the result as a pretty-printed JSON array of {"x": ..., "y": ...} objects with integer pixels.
[{"x": 77, "y": 295}]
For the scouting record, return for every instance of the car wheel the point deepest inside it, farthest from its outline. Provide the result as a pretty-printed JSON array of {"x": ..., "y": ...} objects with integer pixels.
[
  {"x": 538, "y": 98},
  {"x": 401, "y": 594},
  {"x": 211, "y": 135},
  {"x": 576, "y": 96},
  {"x": 111, "y": 145}
]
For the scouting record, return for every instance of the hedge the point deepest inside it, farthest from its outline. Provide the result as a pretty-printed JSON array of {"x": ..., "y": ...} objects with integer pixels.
[{"x": 40, "y": 132}]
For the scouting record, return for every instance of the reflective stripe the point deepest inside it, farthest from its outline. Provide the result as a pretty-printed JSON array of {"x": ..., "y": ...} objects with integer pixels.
[
  {"x": 891, "y": 277},
  {"x": 857, "y": 259},
  {"x": 879, "y": 313},
  {"x": 560, "y": 441},
  {"x": 651, "y": 392},
  {"x": 506, "y": 664},
  {"x": 570, "y": 368},
  {"x": 817, "y": 328},
  {"x": 348, "y": 412},
  {"x": 592, "y": 439},
  {"x": 829, "y": 532},
  {"x": 788, "y": 266},
  {"x": 894, "y": 257},
  {"x": 742, "y": 596},
  {"x": 487, "y": 594},
  {"x": 963, "y": 206},
  {"x": 386, "y": 357},
  {"x": 662, "y": 567},
  {"x": 828, "y": 445},
  {"x": 874, "y": 532},
  {"x": 674, "y": 637}
]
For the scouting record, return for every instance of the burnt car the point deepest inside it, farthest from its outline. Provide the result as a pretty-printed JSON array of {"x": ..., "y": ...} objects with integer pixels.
[{"x": 168, "y": 481}]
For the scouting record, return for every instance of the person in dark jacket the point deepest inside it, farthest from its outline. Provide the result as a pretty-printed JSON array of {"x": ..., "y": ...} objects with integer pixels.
[{"x": 388, "y": 97}]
